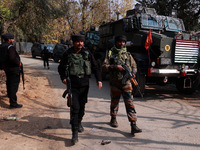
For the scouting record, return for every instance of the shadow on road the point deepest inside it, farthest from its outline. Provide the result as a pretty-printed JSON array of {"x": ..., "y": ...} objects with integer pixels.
[{"x": 46, "y": 127}]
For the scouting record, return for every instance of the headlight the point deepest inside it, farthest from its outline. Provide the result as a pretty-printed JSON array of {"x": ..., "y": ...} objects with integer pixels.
[
  {"x": 153, "y": 64},
  {"x": 129, "y": 43},
  {"x": 165, "y": 61}
]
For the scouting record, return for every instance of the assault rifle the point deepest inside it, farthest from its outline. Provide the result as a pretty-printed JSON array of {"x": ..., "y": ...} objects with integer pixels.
[
  {"x": 68, "y": 91},
  {"x": 22, "y": 72},
  {"x": 129, "y": 75}
]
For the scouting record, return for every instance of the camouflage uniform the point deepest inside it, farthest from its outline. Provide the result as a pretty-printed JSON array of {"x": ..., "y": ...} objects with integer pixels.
[{"x": 113, "y": 58}]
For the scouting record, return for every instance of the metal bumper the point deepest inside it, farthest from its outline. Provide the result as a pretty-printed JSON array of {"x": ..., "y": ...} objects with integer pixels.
[{"x": 172, "y": 72}]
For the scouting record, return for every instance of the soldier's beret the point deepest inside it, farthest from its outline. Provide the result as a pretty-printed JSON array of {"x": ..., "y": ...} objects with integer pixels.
[
  {"x": 120, "y": 38},
  {"x": 78, "y": 37},
  {"x": 7, "y": 36}
]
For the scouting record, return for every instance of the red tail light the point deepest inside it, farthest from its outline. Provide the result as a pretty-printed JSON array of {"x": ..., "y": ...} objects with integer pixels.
[
  {"x": 198, "y": 73},
  {"x": 183, "y": 73},
  {"x": 149, "y": 72}
]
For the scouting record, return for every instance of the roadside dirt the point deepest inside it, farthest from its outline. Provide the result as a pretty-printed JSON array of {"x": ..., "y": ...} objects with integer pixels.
[{"x": 34, "y": 119}]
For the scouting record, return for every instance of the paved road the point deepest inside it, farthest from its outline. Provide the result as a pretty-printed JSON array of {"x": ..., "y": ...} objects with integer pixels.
[{"x": 168, "y": 121}]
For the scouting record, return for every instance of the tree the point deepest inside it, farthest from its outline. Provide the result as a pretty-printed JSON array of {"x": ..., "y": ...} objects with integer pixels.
[
  {"x": 122, "y": 7},
  {"x": 82, "y": 14},
  {"x": 5, "y": 16},
  {"x": 52, "y": 20},
  {"x": 30, "y": 17}
]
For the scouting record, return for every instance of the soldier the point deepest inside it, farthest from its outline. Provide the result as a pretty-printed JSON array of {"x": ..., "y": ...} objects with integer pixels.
[
  {"x": 78, "y": 62},
  {"x": 112, "y": 64},
  {"x": 45, "y": 56},
  {"x": 12, "y": 69}
]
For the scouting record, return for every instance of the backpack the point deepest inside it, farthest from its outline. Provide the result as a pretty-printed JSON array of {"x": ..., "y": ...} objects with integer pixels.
[{"x": 3, "y": 54}]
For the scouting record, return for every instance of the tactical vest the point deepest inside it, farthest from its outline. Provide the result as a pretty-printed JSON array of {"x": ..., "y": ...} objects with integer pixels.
[
  {"x": 118, "y": 59},
  {"x": 79, "y": 64}
]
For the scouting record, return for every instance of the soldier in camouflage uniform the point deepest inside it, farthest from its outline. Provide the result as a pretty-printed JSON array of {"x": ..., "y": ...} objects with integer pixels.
[{"x": 112, "y": 64}]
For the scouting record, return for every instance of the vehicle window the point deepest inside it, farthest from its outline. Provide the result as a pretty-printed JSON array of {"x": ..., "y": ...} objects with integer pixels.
[
  {"x": 174, "y": 24},
  {"x": 93, "y": 37},
  {"x": 50, "y": 48},
  {"x": 61, "y": 47},
  {"x": 42, "y": 46},
  {"x": 151, "y": 22}
]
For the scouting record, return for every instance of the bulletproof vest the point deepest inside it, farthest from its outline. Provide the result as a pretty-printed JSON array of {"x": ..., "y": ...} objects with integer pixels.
[
  {"x": 79, "y": 64},
  {"x": 119, "y": 58}
]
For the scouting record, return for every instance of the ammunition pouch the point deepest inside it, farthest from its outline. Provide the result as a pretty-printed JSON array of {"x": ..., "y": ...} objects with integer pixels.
[{"x": 79, "y": 64}]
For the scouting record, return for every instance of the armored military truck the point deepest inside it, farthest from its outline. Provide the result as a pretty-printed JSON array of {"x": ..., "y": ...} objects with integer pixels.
[{"x": 173, "y": 56}]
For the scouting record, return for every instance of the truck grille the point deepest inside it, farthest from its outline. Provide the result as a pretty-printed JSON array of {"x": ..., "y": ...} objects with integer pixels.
[{"x": 186, "y": 51}]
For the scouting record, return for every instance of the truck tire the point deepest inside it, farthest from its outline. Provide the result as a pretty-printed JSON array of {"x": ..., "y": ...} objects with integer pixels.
[
  {"x": 181, "y": 89},
  {"x": 141, "y": 79},
  {"x": 55, "y": 59},
  {"x": 33, "y": 55}
]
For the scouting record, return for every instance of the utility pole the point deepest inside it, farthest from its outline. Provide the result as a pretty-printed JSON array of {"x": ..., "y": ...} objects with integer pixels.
[
  {"x": 117, "y": 13},
  {"x": 110, "y": 9}
]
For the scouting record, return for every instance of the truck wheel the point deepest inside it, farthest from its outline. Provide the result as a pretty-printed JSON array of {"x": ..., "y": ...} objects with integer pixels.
[
  {"x": 181, "y": 89},
  {"x": 55, "y": 59},
  {"x": 141, "y": 79},
  {"x": 33, "y": 55}
]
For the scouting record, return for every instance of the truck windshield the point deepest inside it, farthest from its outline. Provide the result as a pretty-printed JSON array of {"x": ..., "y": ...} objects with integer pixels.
[
  {"x": 174, "y": 24},
  {"x": 158, "y": 22},
  {"x": 151, "y": 22}
]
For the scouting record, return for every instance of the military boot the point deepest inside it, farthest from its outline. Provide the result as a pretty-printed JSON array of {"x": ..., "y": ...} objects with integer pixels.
[
  {"x": 80, "y": 127},
  {"x": 74, "y": 135},
  {"x": 113, "y": 122},
  {"x": 134, "y": 128}
]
